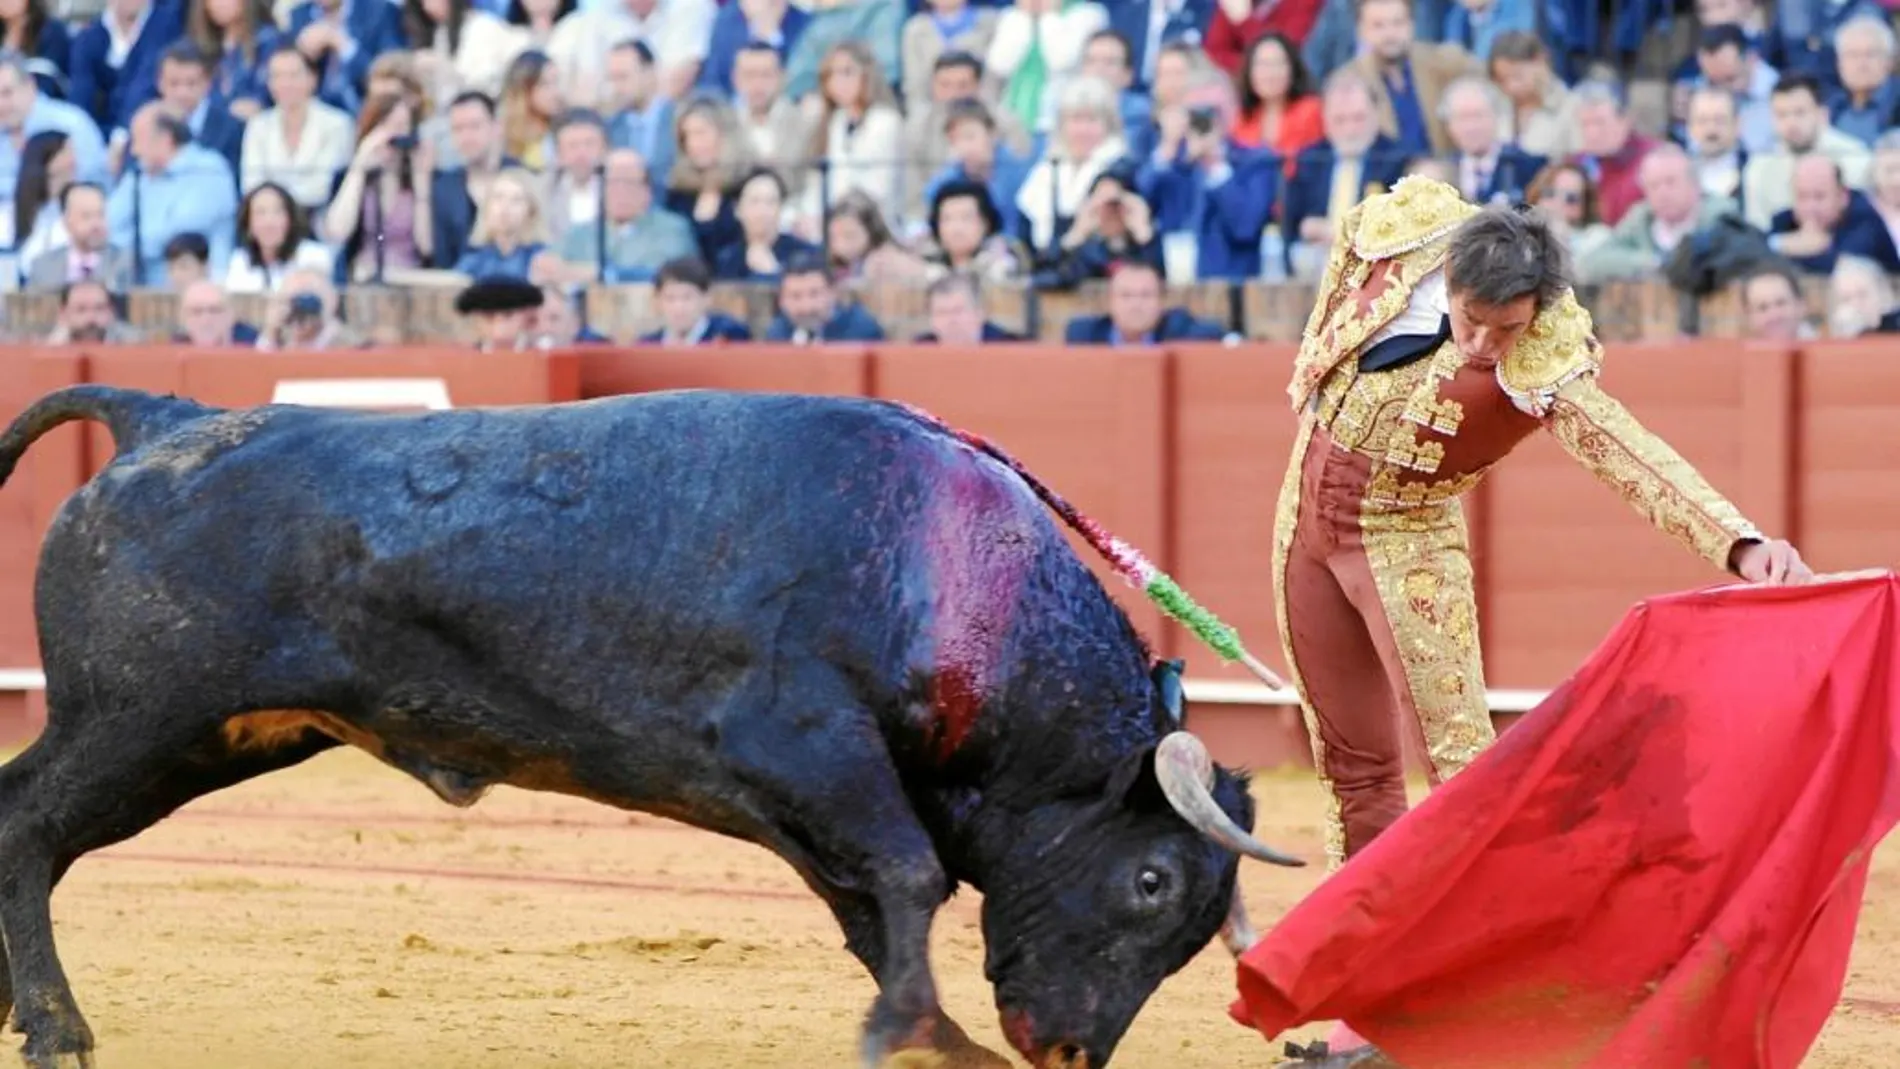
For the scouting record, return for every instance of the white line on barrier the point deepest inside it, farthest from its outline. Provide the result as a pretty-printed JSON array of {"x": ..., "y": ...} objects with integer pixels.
[
  {"x": 12, "y": 679},
  {"x": 432, "y": 394}
]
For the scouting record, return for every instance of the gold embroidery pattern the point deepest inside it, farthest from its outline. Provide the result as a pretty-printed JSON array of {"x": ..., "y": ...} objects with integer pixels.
[
  {"x": 1374, "y": 414},
  {"x": 1646, "y": 472},
  {"x": 1422, "y": 568},
  {"x": 1286, "y": 515},
  {"x": 1385, "y": 492},
  {"x": 1559, "y": 347},
  {"x": 1417, "y": 212}
]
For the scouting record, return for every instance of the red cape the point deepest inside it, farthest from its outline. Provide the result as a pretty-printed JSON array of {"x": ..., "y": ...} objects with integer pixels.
[{"x": 1660, "y": 866}]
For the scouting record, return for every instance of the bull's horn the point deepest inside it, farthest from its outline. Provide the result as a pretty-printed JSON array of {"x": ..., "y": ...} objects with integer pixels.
[
  {"x": 1186, "y": 773},
  {"x": 1238, "y": 932}
]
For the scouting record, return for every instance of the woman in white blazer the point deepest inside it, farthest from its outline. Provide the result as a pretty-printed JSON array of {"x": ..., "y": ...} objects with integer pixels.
[
  {"x": 299, "y": 143},
  {"x": 273, "y": 240},
  {"x": 856, "y": 130}
]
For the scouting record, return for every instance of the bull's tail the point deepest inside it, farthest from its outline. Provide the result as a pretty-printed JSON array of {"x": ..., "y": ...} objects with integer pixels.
[
  {"x": 132, "y": 416},
  {"x": 1128, "y": 562}
]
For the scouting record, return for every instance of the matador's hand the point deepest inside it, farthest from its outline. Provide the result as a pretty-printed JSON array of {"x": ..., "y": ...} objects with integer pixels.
[{"x": 1775, "y": 563}]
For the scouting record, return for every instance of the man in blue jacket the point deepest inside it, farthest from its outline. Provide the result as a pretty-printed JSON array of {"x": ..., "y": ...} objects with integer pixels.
[
  {"x": 808, "y": 308},
  {"x": 1135, "y": 314}
]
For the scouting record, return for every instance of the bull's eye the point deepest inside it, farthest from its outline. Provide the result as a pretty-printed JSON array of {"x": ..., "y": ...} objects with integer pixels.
[{"x": 1151, "y": 883}]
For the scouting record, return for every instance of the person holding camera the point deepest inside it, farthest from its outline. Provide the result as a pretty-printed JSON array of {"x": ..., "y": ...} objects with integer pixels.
[
  {"x": 1213, "y": 199},
  {"x": 302, "y": 315},
  {"x": 1114, "y": 223},
  {"x": 383, "y": 210}
]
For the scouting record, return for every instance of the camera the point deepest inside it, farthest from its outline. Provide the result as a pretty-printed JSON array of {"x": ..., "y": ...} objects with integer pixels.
[
  {"x": 404, "y": 143},
  {"x": 1203, "y": 119},
  {"x": 305, "y": 306}
]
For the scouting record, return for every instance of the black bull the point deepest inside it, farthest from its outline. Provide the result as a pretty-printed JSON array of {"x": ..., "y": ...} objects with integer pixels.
[{"x": 825, "y": 626}]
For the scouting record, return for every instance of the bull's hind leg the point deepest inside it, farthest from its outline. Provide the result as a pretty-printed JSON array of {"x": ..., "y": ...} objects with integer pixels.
[{"x": 79, "y": 789}]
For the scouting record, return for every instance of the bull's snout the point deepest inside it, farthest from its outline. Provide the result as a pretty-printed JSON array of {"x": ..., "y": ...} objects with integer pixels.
[{"x": 1020, "y": 1030}]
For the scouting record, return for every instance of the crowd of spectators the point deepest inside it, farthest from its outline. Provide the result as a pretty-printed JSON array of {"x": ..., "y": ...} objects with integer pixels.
[{"x": 297, "y": 148}]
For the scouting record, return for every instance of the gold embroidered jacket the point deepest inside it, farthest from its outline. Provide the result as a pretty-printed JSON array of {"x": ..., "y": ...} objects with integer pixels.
[{"x": 1435, "y": 426}]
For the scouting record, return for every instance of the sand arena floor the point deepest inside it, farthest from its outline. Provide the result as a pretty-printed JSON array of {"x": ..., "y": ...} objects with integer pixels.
[{"x": 337, "y": 914}]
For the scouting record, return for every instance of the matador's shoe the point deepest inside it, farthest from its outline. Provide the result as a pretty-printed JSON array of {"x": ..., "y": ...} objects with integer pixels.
[{"x": 1319, "y": 1056}]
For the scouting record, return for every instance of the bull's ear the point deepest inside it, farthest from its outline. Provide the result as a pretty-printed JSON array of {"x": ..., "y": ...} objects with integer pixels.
[
  {"x": 1134, "y": 785},
  {"x": 1167, "y": 682}
]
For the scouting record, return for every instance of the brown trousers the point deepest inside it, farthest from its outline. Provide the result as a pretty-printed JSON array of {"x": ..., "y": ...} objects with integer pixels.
[{"x": 1378, "y": 620}]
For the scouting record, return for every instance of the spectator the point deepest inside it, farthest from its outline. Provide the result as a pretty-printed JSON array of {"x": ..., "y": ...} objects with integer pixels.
[
  {"x": 382, "y": 213},
  {"x": 773, "y": 24},
  {"x": 574, "y": 191},
  {"x": 232, "y": 39},
  {"x": 458, "y": 47},
  {"x": 1773, "y": 308},
  {"x": 1801, "y": 128},
  {"x": 1714, "y": 144},
  {"x": 341, "y": 38},
  {"x": 862, "y": 247},
  {"x": 273, "y": 238},
  {"x": 185, "y": 73},
  {"x": 809, "y": 310},
  {"x": 1087, "y": 141},
  {"x": 1725, "y": 61},
  {"x": 46, "y": 169},
  {"x": 510, "y": 233},
  {"x": 1407, "y": 76},
  {"x": 187, "y": 259},
  {"x": 1350, "y": 163},
  {"x": 1135, "y": 315},
  {"x": 1829, "y": 220},
  {"x": 206, "y": 321},
  {"x": 762, "y": 247},
  {"x": 1107, "y": 56},
  {"x": 1608, "y": 148},
  {"x": 1279, "y": 111},
  {"x": 955, "y": 302},
  {"x": 454, "y": 192},
  {"x": 557, "y": 322},
  {"x": 112, "y": 49},
  {"x": 1541, "y": 118},
  {"x": 178, "y": 188},
  {"x": 1115, "y": 224},
  {"x": 1432, "y": 167},
  {"x": 764, "y": 124},
  {"x": 1802, "y": 34},
  {"x": 538, "y": 18},
  {"x": 1860, "y": 299},
  {"x": 856, "y": 129},
  {"x": 1568, "y": 199},
  {"x": 89, "y": 315},
  {"x": 711, "y": 162},
  {"x": 683, "y": 287},
  {"x": 967, "y": 235},
  {"x": 1214, "y": 199},
  {"x": 1239, "y": 24},
  {"x": 678, "y": 32},
  {"x": 1177, "y": 72},
  {"x": 640, "y": 237},
  {"x": 530, "y": 102},
  {"x": 1036, "y": 50},
  {"x": 1476, "y": 25},
  {"x": 978, "y": 154},
  {"x": 1489, "y": 169},
  {"x": 638, "y": 117},
  {"x": 29, "y": 28},
  {"x": 302, "y": 315},
  {"x": 956, "y": 85},
  {"x": 1673, "y": 210},
  {"x": 944, "y": 28},
  {"x": 299, "y": 142},
  {"x": 1884, "y": 187},
  {"x": 504, "y": 308},
  {"x": 1150, "y": 26},
  {"x": 89, "y": 253},
  {"x": 25, "y": 111},
  {"x": 1868, "y": 100}
]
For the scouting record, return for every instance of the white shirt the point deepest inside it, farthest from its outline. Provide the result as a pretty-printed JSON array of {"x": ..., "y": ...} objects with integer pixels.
[
  {"x": 245, "y": 277},
  {"x": 1423, "y": 314},
  {"x": 119, "y": 45}
]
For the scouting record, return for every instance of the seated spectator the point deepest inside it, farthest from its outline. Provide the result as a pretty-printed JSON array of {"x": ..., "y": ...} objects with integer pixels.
[
  {"x": 809, "y": 310},
  {"x": 342, "y": 38},
  {"x": 762, "y": 247},
  {"x": 557, "y": 323},
  {"x": 1725, "y": 61},
  {"x": 237, "y": 39},
  {"x": 273, "y": 238},
  {"x": 25, "y": 111},
  {"x": 89, "y": 315},
  {"x": 711, "y": 163},
  {"x": 475, "y": 140},
  {"x": 1673, "y": 210},
  {"x": 1867, "y": 103},
  {"x": 956, "y": 91},
  {"x": 179, "y": 188},
  {"x": 1541, "y": 116},
  {"x": 302, "y": 315},
  {"x": 1773, "y": 307},
  {"x": 110, "y": 51},
  {"x": 1115, "y": 223},
  {"x": 458, "y": 47},
  {"x": 31, "y": 28},
  {"x": 37, "y": 224},
  {"x": 1087, "y": 140},
  {"x": 1714, "y": 144},
  {"x": 1801, "y": 129},
  {"x": 1109, "y": 57},
  {"x": 763, "y": 123},
  {"x": 187, "y": 260},
  {"x": 1178, "y": 68},
  {"x": 966, "y": 235},
  {"x": 1135, "y": 315},
  {"x": 1407, "y": 75},
  {"x": 1037, "y": 50},
  {"x": 1608, "y": 148},
  {"x": 1567, "y": 198},
  {"x": 510, "y": 233},
  {"x": 538, "y": 18},
  {"x": 1883, "y": 186},
  {"x": 640, "y": 236},
  {"x": 862, "y": 247},
  {"x": 682, "y": 290},
  {"x": 186, "y": 87},
  {"x": 1279, "y": 112},
  {"x": 1238, "y": 25},
  {"x": 955, "y": 302},
  {"x": 775, "y": 24},
  {"x": 382, "y": 214},
  {"x": 638, "y": 117},
  {"x": 943, "y": 27},
  {"x": 1476, "y": 25},
  {"x": 299, "y": 142},
  {"x": 678, "y": 31},
  {"x": 1860, "y": 299},
  {"x": 530, "y": 101},
  {"x": 1829, "y": 220},
  {"x": 1353, "y": 161},
  {"x": 978, "y": 153},
  {"x": 88, "y": 253},
  {"x": 856, "y": 129},
  {"x": 205, "y": 319},
  {"x": 1490, "y": 170},
  {"x": 573, "y": 188},
  {"x": 1216, "y": 196},
  {"x": 504, "y": 308}
]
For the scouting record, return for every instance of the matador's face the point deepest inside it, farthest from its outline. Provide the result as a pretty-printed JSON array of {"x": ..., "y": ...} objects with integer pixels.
[{"x": 1484, "y": 333}]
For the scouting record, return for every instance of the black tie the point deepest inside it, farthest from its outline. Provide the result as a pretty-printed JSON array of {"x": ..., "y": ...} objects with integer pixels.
[{"x": 1401, "y": 349}]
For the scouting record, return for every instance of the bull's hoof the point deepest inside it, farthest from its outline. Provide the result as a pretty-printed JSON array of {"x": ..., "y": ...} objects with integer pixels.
[{"x": 1319, "y": 1056}]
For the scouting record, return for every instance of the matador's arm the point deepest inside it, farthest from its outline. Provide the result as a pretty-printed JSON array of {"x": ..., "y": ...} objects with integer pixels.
[{"x": 1602, "y": 435}]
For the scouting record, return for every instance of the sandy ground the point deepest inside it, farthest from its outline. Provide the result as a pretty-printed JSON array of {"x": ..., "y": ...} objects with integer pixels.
[{"x": 338, "y": 915}]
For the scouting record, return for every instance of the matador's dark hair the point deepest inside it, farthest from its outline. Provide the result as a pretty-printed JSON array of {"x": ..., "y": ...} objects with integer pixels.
[{"x": 1504, "y": 254}]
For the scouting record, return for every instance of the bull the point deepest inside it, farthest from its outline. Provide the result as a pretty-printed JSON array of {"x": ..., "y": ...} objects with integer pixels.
[{"x": 830, "y": 627}]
